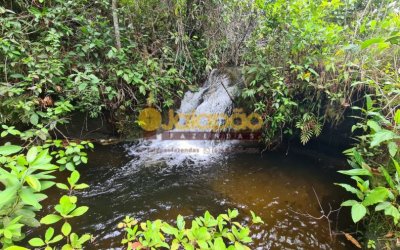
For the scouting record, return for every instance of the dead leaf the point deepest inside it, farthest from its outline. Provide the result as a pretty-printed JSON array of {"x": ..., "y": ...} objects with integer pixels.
[
  {"x": 46, "y": 102},
  {"x": 389, "y": 235},
  {"x": 135, "y": 245},
  {"x": 352, "y": 240}
]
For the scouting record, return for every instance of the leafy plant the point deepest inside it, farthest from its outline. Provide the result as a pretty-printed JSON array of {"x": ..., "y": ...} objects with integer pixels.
[
  {"x": 206, "y": 232},
  {"x": 310, "y": 126},
  {"x": 26, "y": 173},
  {"x": 376, "y": 168}
]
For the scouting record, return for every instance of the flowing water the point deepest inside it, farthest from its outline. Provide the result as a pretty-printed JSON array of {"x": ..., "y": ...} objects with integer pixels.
[
  {"x": 275, "y": 186},
  {"x": 215, "y": 97},
  {"x": 141, "y": 180}
]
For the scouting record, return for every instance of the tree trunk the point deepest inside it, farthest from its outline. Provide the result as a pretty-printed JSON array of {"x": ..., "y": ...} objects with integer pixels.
[{"x": 116, "y": 24}]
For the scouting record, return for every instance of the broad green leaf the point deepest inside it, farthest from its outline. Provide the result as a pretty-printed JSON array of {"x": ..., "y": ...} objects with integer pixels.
[
  {"x": 219, "y": 244},
  {"x": 9, "y": 149},
  {"x": 388, "y": 178},
  {"x": 82, "y": 86},
  {"x": 31, "y": 155},
  {"x": 350, "y": 189},
  {"x": 239, "y": 246},
  {"x": 33, "y": 182},
  {"x": 349, "y": 203},
  {"x": 81, "y": 186},
  {"x": 188, "y": 246},
  {"x": 67, "y": 247},
  {"x": 393, "y": 148},
  {"x": 28, "y": 197},
  {"x": 84, "y": 159},
  {"x": 256, "y": 219},
  {"x": 168, "y": 229},
  {"x": 382, "y": 206},
  {"x": 34, "y": 119},
  {"x": 16, "y": 248},
  {"x": 8, "y": 195},
  {"x": 358, "y": 212},
  {"x": 49, "y": 234},
  {"x": 62, "y": 186},
  {"x": 25, "y": 213},
  {"x": 70, "y": 166},
  {"x": 46, "y": 167},
  {"x": 377, "y": 195},
  {"x": 7, "y": 233},
  {"x": 66, "y": 229},
  {"x": 36, "y": 242},
  {"x": 394, "y": 212},
  {"x": 45, "y": 175},
  {"x": 74, "y": 178},
  {"x": 84, "y": 238},
  {"x": 50, "y": 219},
  {"x": 233, "y": 214},
  {"x": 382, "y": 136},
  {"x": 397, "y": 166},
  {"x": 56, "y": 239},
  {"x": 202, "y": 244},
  {"x": 397, "y": 117},
  {"x": 372, "y": 41},
  {"x": 358, "y": 171},
  {"x": 79, "y": 211},
  {"x": 180, "y": 222},
  {"x": 357, "y": 156},
  {"x": 72, "y": 199},
  {"x": 393, "y": 39},
  {"x": 62, "y": 161},
  {"x": 40, "y": 196},
  {"x": 175, "y": 245},
  {"x": 46, "y": 185},
  {"x": 42, "y": 159},
  {"x": 374, "y": 125},
  {"x": 66, "y": 205}
]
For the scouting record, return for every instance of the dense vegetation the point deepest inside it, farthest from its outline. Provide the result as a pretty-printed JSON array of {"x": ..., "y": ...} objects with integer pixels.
[{"x": 307, "y": 65}]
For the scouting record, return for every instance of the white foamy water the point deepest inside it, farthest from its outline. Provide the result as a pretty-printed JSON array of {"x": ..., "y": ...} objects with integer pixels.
[{"x": 215, "y": 97}]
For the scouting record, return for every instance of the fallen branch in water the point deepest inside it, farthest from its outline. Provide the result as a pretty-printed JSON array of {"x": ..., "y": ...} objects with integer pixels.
[{"x": 324, "y": 215}]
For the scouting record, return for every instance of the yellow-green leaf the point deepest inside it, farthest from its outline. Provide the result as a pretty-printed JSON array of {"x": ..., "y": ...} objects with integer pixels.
[{"x": 33, "y": 182}]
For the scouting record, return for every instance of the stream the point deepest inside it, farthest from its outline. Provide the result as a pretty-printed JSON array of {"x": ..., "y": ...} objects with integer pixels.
[{"x": 276, "y": 186}]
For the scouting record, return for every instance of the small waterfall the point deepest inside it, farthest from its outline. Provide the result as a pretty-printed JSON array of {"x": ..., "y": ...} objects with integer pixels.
[{"x": 215, "y": 97}]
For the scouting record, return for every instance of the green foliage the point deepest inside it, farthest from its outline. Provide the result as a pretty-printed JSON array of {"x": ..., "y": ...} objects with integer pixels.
[
  {"x": 325, "y": 54},
  {"x": 206, "y": 232},
  {"x": 377, "y": 188},
  {"x": 25, "y": 177},
  {"x": 371, "y": 244},
  {"x": 271, "y": 97},
  {"x": 381, "y": 197},
  {"x": 26, "y": 173},
  {"x": 59, "y": 53},
  {"x": 309, "y": 126}
]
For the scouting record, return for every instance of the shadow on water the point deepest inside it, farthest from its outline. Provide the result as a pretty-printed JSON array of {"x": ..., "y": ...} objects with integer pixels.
[{"x": 275, "y": 186}]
